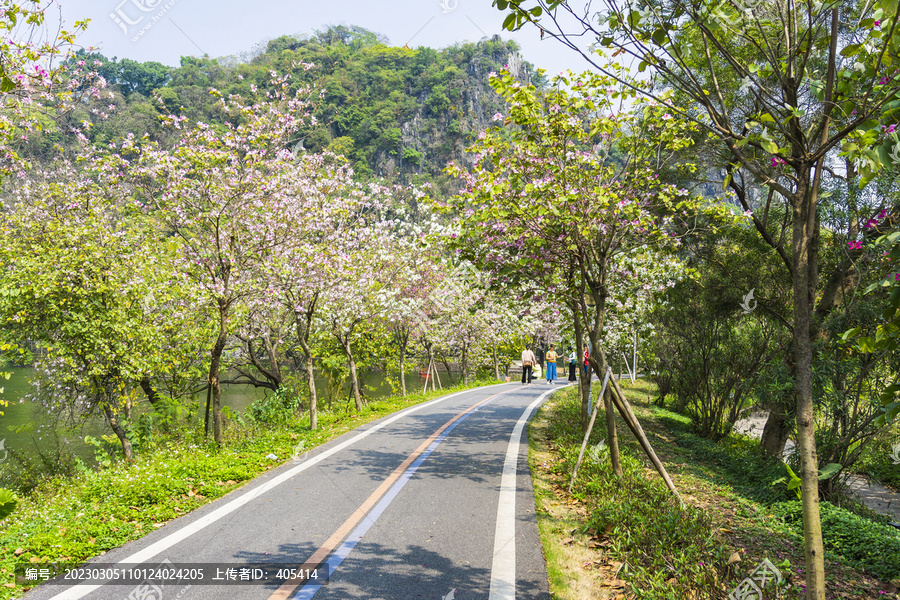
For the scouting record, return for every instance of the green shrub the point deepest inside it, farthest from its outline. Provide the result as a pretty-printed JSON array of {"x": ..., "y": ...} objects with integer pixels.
[
  {"x": 873, "y": 547},
  {"x": 670, "y": 552},
  {"x": 877, "y": 462},
  {"x": 274, "y": 409}
]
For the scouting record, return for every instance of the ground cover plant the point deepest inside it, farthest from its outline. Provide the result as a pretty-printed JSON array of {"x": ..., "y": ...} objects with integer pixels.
[
  {"x": 629, "y": 538},
  {"x": 70, "y": 519}
]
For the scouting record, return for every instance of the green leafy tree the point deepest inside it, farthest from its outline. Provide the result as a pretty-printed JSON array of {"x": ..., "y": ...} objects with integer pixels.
[
  {"x": 213, "y": 191},
  {"x": 810, "y": 93},
  {"x": 92, "y": 285}
]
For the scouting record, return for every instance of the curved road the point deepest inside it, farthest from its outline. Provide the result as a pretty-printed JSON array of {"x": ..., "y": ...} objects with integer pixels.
[{"x": 434, "y": 502}]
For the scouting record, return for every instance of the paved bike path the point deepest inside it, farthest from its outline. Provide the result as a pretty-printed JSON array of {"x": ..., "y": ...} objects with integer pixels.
[{"x": 414, "y": 505}]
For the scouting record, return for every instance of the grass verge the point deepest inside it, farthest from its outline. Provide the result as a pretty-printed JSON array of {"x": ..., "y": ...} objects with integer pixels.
[
  {"x": 73, "y": 519},
  {"x": 623, "y": 539}
]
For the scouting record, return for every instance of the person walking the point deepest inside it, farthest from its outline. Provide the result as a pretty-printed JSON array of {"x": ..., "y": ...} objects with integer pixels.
[
  {"x": 573, "y": 363},
  {"x": 552, "y": 356},
  {"x": 528, "y": 361},
  {"x": 587, "y": 365}
]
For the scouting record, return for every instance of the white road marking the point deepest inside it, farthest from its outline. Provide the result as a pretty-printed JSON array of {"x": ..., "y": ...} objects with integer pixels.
[
  {"x": 503, "y": 567},
  {"x": 77, "y": 592}
]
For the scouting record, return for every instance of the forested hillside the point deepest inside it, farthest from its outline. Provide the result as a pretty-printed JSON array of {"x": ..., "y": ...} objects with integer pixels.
[{"x": 397, "y": 113}]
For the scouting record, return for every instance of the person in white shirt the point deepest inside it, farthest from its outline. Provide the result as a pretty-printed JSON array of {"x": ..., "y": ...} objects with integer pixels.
[{"x": 528, "y": 361}]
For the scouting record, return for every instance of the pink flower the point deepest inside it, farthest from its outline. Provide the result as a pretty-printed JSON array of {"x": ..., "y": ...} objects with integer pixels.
[
  {"x": 497, "y": 117},
  {"x": 877, "y": 23},
  {"x": 856, "y": 245}
]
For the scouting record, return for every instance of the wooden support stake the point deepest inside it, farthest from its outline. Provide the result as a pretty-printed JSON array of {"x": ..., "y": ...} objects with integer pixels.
[
  {"x": 588, "y": 432},
  {"x": 635, "y": 426},
  {"x": 612, "y": 437},
  {"x": 436, "y": 376},
  {"x": 627, "y": 366}
]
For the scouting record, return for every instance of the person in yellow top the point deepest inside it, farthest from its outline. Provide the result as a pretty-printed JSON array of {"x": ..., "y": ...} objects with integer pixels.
[{"x": 551, "y": 364}]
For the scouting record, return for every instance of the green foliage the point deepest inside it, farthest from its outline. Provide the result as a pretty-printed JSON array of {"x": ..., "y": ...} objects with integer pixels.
[
  {"x": 93, "y": 511},
  {"x": 873, "y": 547},
  {"x": 411, "y": 156},
  {"x": 104, "y": 449},
  {"x": 7, "y": 503},
  {"x": 712, "y": 352},
  {"x": 670, "y": 552},
  {"x": 877, "y": 459},
  {"x": 748, "y": 472},
  {"x": 863, "y": 541},
  {"x": 273, "y": 409},
  {"x": 372, "y": 92},
  {"x": 886, "y": 336}
]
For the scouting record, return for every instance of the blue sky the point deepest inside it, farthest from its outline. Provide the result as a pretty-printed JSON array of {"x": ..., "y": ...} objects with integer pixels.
[{"x": 165, "y": 30}]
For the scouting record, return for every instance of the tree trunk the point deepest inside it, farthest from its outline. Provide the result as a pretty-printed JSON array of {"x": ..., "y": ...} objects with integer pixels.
[
  {"x": 273, "y": 360},
  {"x": 446, "y": 366},
  {"x": 804, "y": 221},
  {"x": 303, "y": 329},
  {"x": 635, "y": 426},
  {"x": 119, "y": 431},
  {"x": 354, "y": 380},
  {"x": 612, "y": 439},
  {"x": 152, "y": 394},
  {"x": 598, "y": 358},
  {"x": 775, "y": 433},
  {"x": 496, "y": 363},
  {"x": 215, "y": 360},
  {"x": 464, "y": 366},
  {"x": 208, "y": 408},
  {"x": 403, "y": 343},
  {"x": 310, "y": 381},
  {"x": 584, "y": 384}
]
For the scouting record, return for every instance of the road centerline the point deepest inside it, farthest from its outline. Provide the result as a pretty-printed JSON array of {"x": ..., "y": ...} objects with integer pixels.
[
  {"x": 141, "y": 556},
  {"x": 346, "y": 529}
]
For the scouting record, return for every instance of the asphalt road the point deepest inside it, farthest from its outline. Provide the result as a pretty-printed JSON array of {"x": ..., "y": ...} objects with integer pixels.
[{"x": 434, "y": 502}]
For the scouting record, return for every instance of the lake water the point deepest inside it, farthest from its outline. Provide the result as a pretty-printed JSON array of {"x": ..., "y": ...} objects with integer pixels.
[{"x": 26, "y": 430}]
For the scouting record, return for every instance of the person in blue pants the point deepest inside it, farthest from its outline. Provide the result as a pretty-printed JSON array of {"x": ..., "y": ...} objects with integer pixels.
[{"x": 551, "y": 364}]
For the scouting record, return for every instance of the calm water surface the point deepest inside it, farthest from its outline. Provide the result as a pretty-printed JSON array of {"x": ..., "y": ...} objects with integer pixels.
[{"x": 27, "y": 430}]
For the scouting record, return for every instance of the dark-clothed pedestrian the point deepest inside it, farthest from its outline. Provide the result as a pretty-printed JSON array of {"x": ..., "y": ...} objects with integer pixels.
[
  {"x": 528, "y": 361},
  {"x": 573, "y": 363}
]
